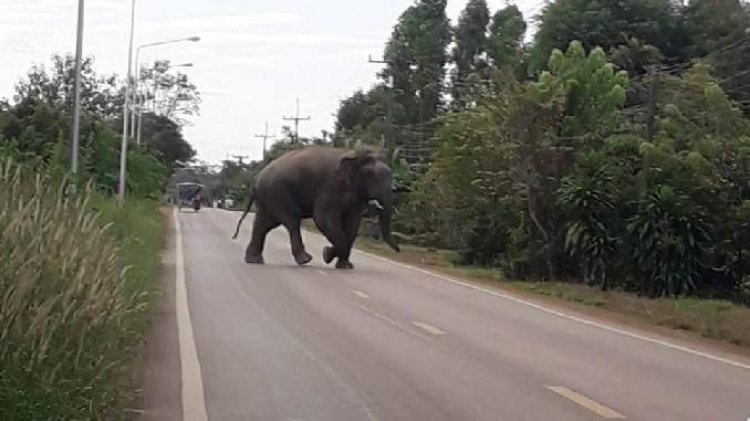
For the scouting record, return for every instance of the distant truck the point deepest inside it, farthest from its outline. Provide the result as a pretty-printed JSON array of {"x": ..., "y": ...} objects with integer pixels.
[{"x": 189, "y": 194}]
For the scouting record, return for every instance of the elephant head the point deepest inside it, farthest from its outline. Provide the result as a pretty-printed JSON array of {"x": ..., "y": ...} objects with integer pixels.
[{"x": 371, "y": 181}]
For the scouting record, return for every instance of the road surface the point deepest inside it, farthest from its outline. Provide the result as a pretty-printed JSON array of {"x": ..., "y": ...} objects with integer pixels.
[{"x": 389, "y": 342}]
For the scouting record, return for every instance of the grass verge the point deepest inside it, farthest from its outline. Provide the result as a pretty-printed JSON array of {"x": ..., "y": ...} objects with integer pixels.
[
  {"x": 713, "y": 319},
  {"x": 75, "y": 278}
]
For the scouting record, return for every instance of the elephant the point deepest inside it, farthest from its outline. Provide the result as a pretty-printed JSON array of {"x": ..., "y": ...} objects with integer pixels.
[{"x": 336, "y": 187}]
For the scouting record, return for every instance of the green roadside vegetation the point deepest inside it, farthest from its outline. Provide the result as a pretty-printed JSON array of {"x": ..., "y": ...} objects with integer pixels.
[
  {"x": 76, "y": 275},
  {"x": 79, "y": 272}
]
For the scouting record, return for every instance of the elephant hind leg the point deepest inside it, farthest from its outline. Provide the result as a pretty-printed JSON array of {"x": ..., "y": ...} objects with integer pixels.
[
  {"x": 261, "y": 226},
  {"x": 301, "y": 256}
]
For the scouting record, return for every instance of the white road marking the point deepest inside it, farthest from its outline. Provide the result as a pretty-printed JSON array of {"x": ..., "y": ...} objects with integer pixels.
[
  {"x": 587, "y": 403},
  {"x": 322, "y": 272},
  {"x": 564, "y": 315},
  {"x": 393, "y": 322},
  {"x": 429, "y": 328},
  {"x": 360, "y": 294},
  {"x": 193, "y": 397}
]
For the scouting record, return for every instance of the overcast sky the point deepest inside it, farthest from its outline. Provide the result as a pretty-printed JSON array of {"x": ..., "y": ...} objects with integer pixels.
[{"x": 254, "y": 58}]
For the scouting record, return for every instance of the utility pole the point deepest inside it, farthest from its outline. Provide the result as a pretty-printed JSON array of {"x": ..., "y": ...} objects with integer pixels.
[
  {"x": 370, "y": 60},
  {"x": 239, "y": 158},
  {"x": 389, "y": 142},
  {"x": 74, "y": 140},
  {"x": 296, "y": 120},
  {"x": 653, "y": 94},
  {"x": 265, "y": 137},
  {"x": 124, "y": 145}
]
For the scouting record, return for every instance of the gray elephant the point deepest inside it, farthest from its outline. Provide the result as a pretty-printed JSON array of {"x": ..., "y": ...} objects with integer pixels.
[{"x": 333, "y": 186}]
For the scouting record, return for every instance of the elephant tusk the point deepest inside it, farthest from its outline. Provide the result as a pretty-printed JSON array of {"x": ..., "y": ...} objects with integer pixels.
[{"x": 376, "y": 204}]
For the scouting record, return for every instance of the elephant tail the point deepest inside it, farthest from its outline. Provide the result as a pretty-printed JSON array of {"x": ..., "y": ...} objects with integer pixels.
[{"x": 247, "y": 210}]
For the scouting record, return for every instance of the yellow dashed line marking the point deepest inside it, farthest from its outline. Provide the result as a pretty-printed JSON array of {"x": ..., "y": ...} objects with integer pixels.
[{"x": 587, "y": 403}]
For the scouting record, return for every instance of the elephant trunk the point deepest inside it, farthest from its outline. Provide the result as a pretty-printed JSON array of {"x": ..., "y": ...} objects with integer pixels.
[
  {"x": 384, "y": 220},
  {"x": 385, "y": 211}
]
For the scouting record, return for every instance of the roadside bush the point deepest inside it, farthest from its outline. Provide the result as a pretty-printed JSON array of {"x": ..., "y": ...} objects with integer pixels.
[{"x": 69, "y": 321}]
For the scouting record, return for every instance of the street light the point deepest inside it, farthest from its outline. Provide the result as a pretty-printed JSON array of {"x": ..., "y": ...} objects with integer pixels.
[
  {"x": 137, "y": 66},
  {"x": 142, "y": 104}
]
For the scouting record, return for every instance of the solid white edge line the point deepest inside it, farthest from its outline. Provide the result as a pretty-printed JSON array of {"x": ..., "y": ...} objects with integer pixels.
[
  {"x": 193, "y": 397},
  {"x": 563, "y": 315}
]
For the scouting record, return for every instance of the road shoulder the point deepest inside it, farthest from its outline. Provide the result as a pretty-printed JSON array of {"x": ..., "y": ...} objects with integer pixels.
[{"x": 159, "y": 397}]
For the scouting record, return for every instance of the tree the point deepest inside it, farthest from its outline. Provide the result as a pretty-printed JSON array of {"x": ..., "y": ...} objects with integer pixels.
[
  {"x": 163, "y": 137},
  {"x": 102, "y": 96},
  {"x": 602, "y": 23},
  {"x": 506, "y": 36},
  {"x": 502, "y": 161},
  {"x": 720, "y": 30},
  {"x": 416, "y": 56},
  {"x": 34, "y": 130},
  {"x": 368, "y": 117},
  {"x": 635, "y": 57},
  {"x": 168, "y": 95},
  {"x": 469, "y": 54},
  {"x": 352, "y": 111}
]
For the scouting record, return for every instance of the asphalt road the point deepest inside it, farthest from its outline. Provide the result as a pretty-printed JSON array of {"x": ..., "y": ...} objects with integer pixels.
[{"x": 389, "y": 342}]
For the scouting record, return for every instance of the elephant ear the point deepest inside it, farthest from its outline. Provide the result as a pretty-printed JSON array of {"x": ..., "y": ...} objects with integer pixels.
[{"x": 353, "y": 161}]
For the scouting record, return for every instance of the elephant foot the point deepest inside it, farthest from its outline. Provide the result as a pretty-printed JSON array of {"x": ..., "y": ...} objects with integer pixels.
[
  {"x": 254, "y": 260},
  {"x": 341, "y": 264},
  {"x": 302, "y": 258},
  {"x": 328, "y": 254}
]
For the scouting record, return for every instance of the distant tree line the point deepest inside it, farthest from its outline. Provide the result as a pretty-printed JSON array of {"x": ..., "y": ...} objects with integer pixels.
[{"x": 35, "y": 124}]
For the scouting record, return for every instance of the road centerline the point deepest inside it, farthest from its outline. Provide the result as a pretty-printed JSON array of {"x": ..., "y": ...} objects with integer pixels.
[
  {"x": 587, "y": 403},
  {"x": 429, "y": 328},
  {"x": 393, "y": 323},
  {"x": 192, "y": 393}
]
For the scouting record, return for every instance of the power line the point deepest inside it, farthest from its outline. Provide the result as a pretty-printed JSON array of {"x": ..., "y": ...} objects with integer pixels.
[{"x": 296, "y": 120}]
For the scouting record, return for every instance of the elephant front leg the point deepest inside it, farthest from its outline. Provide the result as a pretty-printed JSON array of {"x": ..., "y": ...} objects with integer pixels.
[
  {"x": 351, "y": 228},
  {"x": 331, "y": 228},
  {"x": 301, "y": 256}
]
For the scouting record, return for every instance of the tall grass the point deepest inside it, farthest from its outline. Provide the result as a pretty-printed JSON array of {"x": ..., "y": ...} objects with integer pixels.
[{"x": 71, "y": 314}]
